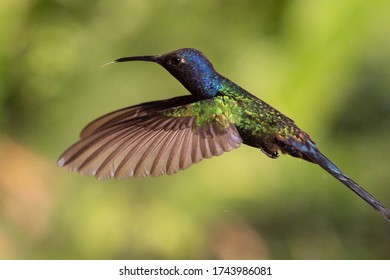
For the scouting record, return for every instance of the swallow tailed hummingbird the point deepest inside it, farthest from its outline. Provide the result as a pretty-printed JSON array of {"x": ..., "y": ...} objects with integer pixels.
[{"x": 154, "y": 138}]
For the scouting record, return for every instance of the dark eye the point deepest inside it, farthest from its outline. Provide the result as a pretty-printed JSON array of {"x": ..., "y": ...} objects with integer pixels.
[{"x": 176, "y": 60}]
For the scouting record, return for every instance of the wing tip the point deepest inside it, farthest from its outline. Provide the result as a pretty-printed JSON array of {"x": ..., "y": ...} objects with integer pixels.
[{"x": 61, "y": 162}]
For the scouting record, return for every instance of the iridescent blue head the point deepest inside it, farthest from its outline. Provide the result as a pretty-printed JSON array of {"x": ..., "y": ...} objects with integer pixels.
[{"x": 190, "y": 67}]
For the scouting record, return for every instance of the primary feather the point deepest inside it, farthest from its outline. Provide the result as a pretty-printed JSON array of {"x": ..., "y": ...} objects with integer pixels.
[{"x": 149, "y": 139}]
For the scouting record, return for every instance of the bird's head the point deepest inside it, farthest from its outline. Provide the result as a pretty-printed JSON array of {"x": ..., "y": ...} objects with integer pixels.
[{"x": 190, "y": 67}]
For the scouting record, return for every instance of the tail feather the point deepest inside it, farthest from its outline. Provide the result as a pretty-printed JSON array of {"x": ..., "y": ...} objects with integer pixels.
[{"x": 310, "y": 151}]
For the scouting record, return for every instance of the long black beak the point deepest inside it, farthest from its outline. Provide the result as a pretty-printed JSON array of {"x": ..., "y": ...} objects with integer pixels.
[{"x": 152, "y": 58}]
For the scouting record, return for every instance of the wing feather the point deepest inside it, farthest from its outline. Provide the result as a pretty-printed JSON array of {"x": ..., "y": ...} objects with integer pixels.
[{"x": 143, "y": 140}]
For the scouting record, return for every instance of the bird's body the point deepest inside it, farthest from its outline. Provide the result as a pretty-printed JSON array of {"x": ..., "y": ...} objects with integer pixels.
[{"x": 166, "y": 136}]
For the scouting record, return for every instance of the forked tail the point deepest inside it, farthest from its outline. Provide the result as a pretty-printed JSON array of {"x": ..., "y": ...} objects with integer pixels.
[{"x": 312, "y": 153}]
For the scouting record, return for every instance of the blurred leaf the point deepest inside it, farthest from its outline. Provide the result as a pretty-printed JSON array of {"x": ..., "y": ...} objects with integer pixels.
[{"x": 323, "y": 63}]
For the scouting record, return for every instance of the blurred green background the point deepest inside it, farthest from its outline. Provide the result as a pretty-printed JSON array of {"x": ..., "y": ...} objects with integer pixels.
[{"x": 326, "y": 64}]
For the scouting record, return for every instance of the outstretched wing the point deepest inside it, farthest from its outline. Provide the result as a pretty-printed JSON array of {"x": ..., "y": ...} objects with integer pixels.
[{"x": 149, "y": 139}]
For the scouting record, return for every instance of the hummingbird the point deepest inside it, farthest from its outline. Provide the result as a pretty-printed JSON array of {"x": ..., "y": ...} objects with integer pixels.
[{"x": 163, "y": 137}]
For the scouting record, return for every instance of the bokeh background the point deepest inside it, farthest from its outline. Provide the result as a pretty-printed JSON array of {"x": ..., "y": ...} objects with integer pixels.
[{"x": 326, "y": 64}]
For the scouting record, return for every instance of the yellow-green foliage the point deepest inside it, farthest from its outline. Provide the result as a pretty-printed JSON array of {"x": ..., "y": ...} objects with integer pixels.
[{"x": 325, "y": 64}]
